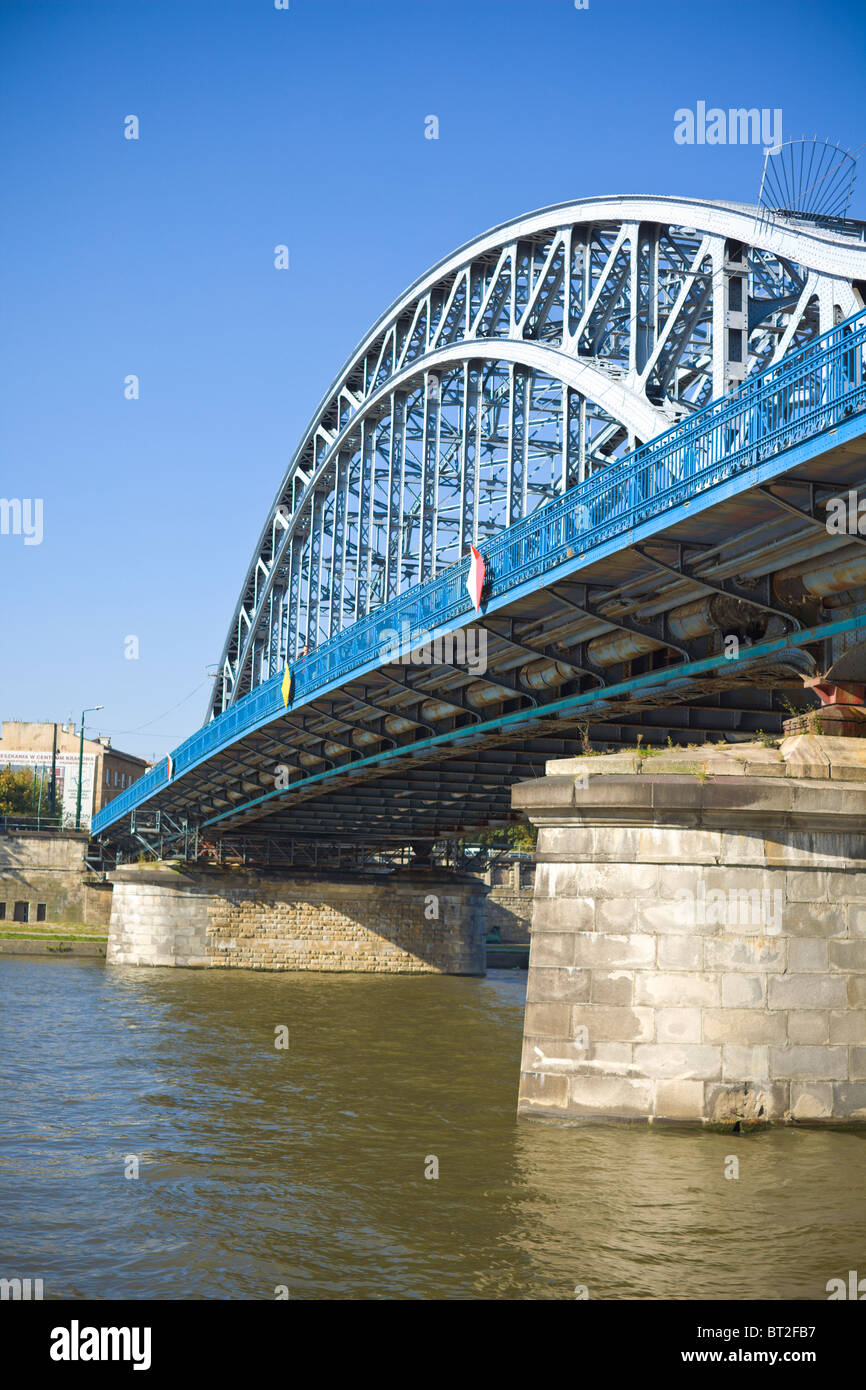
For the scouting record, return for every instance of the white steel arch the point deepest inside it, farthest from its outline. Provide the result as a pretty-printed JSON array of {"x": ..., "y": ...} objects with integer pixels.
[{"x": 531, "y": 357}]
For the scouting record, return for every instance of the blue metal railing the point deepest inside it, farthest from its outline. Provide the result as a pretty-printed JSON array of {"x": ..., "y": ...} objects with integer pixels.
[{"x": 809, "y": 391}]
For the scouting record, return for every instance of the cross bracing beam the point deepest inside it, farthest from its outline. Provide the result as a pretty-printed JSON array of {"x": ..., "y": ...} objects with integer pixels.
[
  {"x": 480, "y": 796},
  {"x": 814, "y": 509},
  {"x": 505, "y": 764},
  {"x": 311, "y": 789}
]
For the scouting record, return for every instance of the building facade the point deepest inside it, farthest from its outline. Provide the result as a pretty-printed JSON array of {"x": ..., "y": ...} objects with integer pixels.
[{"x": 105, "y": 771}]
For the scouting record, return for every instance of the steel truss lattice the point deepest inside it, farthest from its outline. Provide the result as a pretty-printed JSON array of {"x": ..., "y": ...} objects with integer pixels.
[{"x": 531, "y": 359}]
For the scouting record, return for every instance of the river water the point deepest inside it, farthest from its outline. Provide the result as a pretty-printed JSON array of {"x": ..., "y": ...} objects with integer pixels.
[{"x": 302, "y": 1168}]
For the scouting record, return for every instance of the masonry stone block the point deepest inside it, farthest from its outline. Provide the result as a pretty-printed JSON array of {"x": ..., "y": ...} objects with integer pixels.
[
  {"x": 552, "y": 948},
  {"x": 612, "y": 987},
  {"x": 572, "y": 844},
  {"x": 616, "y": 915},
  {"x": 677, "y": 1025},
  {"x": 847, "y": 1026},
  {"x": 808, "y": 1026},
  {"x": 664, "y": 989},
  {"x": 848, "y": 885},
  {"x": 609, "y": 1097},
  {"x": 814, "y": 1063},
  {"x": 560, "y": 881},
  {"x": 745, "y": 1064},
  {"x": 679, "y": 1100},
  {"x": 544, "y": 1091},
  {"x": 563, "y": 915},
  {"x": 601, "y": 881},
  {"x": 605, "y": 1023},
  {"x": 808, "y": 954},
  {"x": 680, "y": 953},
  {"x": 811, "y": 1100},
  {"x": 814, "y": 919},
  {"x": 671, "y": 915},
  {"x": 611, "y": 951},
  {"x": 747, "y": 1104},
  {"x": 548, "y": 1020},
  {"x": 743, "y": 991},
  {"x": 679, "y": 1061},
  {"x": 615, "y": 1057},
  {"x": 549, "y": 984},
  {"x": 848, "y": 955},
  {"x": 561, "y": 1055},
  {"x": 807, "y": 991},
  {"x": 804, "y": 885},
  {"x": 747, "y": 953},
  {"x": 748, "y": 1026},
  {"x": 849, "y": 1099}
]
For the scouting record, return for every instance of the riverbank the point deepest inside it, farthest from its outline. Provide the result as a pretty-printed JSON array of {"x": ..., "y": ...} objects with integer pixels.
[
  {"x": 84, "y": 941},
  {"x": 78, "y": 939}
]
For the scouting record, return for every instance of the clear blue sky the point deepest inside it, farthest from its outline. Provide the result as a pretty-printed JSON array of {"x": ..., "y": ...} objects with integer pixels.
[{"x": 303, "y": 127}]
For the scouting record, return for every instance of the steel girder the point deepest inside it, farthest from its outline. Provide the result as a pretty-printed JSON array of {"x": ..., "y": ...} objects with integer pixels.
[{"x": 532, "y": 357}]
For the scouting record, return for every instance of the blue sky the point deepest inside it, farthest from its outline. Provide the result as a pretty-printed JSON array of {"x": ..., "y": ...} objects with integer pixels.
[{"x": 304, "y": 127}]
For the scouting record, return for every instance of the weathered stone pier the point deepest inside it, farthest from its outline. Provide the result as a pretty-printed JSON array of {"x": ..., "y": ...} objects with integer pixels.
[
  {"x": 698, "y": 947},
  {"x": 412, "y": 920}
]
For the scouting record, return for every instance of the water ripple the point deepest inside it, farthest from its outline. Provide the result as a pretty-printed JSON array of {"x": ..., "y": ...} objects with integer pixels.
[{"x": 306, "y": 1167}]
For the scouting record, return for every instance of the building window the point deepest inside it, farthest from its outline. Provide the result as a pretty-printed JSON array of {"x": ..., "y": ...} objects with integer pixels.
[
  {"x": 21, "y": 912},
  {"x": 40, "y": 912},
  {"x": 107, "y": 777},
  {"x": 2, "y": 912}
]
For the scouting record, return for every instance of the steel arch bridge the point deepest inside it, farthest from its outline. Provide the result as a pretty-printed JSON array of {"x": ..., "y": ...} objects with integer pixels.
[
  {"x": 636, "y": 408},
  {"x": 528, "y": 360}
]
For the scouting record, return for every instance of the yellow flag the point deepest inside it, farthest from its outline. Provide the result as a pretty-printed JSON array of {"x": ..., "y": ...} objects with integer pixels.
[{"x": 287, "y": 686}]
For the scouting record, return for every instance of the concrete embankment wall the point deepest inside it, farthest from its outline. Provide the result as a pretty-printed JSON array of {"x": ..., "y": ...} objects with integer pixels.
[{"x": 41, "y": 869}]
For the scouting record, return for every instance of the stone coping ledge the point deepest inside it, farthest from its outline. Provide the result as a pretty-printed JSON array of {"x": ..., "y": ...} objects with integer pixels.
[
  {"x": 172, "y": 873},
  {"x": 805, "y": 757},
  {"x": 622, "y": 799}
]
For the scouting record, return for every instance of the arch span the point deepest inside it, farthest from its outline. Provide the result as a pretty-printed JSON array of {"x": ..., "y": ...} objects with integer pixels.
[{"x": 530, "y": 358}]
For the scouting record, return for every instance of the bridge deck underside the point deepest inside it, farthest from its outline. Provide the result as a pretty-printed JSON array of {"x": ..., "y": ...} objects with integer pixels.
[{"x": 354, "y": 770}]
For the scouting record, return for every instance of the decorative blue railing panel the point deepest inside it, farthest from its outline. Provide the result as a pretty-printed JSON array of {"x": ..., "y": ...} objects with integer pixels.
[{"x": 809, "y": 391}]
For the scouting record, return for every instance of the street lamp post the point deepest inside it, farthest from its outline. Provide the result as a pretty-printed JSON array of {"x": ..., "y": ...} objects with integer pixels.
[{"x": 90, "y": 710}]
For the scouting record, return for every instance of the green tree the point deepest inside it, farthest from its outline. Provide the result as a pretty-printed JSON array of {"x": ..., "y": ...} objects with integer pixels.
[
  {"x": 19, "y": 791},
  {"x": 522, "y": 836}
]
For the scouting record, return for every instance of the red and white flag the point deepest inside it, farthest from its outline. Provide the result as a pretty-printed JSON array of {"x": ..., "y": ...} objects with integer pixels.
[{"x": 475, "y": 577}]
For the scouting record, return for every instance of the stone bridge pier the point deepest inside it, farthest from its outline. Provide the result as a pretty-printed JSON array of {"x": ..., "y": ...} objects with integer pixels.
[
  {"x": 413, "y": 920},
  {"x": 698, "y": 945}
]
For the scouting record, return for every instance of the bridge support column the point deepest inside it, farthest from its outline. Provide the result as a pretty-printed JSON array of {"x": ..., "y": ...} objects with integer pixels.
[
  {"x": 412, "y": 920},
  {"x": 698, "y": 946}
]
